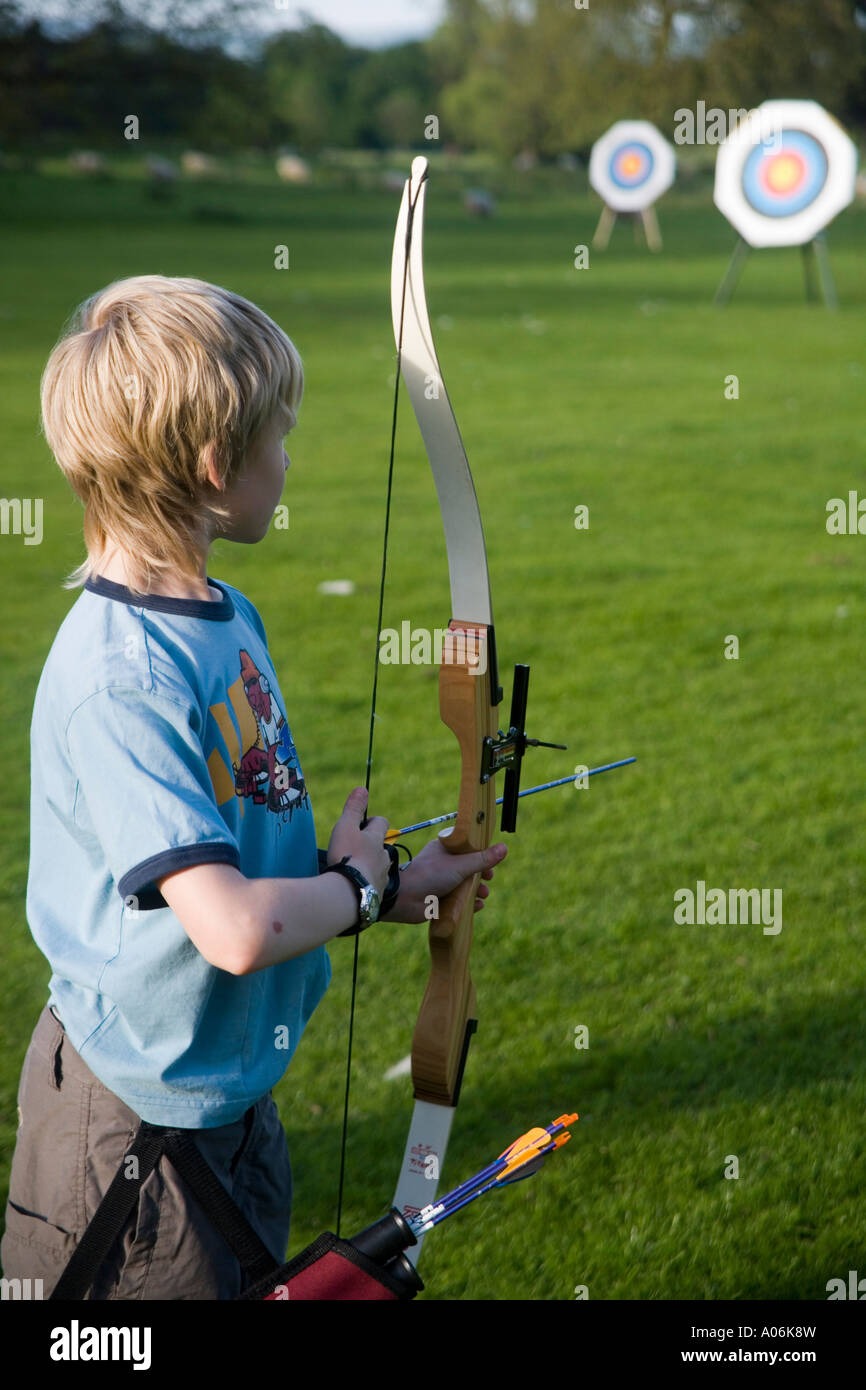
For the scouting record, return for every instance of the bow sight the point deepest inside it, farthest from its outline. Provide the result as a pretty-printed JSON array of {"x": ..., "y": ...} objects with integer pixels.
[{"x": 506, "y": 750}]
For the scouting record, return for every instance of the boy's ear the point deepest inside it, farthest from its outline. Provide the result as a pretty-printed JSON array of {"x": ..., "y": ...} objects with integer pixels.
[{"x": 210, "y": 459}]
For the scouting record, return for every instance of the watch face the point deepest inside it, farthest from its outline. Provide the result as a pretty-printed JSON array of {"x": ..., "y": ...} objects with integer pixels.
[{"x": 369, "y": 904}]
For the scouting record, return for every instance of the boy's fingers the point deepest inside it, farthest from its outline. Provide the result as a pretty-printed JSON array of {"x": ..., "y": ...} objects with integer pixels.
[
  {"x": 356, "y": 805},
  {"x": 377, "y": 824},
  {"x": 356, "y": 801},
  {"x": 484, "y": 861}
]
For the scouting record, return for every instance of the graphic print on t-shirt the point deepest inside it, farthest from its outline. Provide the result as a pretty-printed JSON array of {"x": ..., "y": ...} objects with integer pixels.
[{"x": 269, "y": 771}]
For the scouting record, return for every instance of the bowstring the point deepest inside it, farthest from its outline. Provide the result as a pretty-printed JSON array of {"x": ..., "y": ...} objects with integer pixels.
[{"x": 369, "y": 769}]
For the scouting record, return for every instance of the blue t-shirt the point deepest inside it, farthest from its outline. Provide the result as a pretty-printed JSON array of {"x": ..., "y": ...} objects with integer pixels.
[{"x": 159, "y": 741}]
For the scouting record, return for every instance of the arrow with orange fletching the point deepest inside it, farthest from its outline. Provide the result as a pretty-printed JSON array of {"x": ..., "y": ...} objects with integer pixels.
[{"x": 520, "y": 1160}]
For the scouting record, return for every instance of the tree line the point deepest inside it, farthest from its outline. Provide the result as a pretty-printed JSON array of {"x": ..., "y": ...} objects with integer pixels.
[{"x": 543, "y": 77}]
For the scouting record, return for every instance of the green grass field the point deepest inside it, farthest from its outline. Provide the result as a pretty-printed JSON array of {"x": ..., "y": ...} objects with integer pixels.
[{"x": 606, "y": 387}]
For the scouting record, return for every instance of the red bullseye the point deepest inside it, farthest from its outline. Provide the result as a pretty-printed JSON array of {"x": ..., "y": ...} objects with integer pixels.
[{"x": 783, "y": 173}]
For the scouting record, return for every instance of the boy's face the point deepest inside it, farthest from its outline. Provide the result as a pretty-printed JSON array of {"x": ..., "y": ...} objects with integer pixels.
[{"x": 258, "y": 488}]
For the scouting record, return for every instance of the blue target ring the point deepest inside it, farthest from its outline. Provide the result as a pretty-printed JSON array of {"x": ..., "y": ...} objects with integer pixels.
[
  {"x": 783, "y": 175},
  {"x": 631, "y": 165}
]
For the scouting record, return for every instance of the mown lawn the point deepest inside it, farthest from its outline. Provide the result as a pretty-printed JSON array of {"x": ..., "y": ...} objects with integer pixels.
[{"x": 606, "y": 387}]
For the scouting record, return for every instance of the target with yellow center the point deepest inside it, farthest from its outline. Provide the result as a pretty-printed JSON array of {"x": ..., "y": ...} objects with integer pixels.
[
  {"x": 785, "y": 172},
  {"x": 631, "y": 166}
]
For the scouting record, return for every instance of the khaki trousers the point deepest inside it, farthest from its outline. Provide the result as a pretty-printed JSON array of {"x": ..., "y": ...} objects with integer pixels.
[{"x": 73, "y": 1133}]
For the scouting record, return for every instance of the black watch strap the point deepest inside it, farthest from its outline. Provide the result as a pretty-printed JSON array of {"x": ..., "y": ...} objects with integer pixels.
[
  {"x": 359, "y": 883},
  {"x": 392, "y": 887}
]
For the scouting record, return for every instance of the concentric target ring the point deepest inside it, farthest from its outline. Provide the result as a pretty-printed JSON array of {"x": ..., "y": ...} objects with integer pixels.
[
  {"x": 784, "y": 173},
  {"x": 631, "y": 166},
  {"x": 783, "y": 176}
]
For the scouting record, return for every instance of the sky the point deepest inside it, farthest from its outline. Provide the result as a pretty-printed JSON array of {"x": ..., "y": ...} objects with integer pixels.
[{"x": 373, "y": 23}]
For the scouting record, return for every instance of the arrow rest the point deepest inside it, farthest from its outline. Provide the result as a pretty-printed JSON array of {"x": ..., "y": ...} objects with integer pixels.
[{"x": 506, "y": 750}]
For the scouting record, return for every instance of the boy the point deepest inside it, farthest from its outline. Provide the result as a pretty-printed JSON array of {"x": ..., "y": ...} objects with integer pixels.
[{"x": 174, "y": 879}]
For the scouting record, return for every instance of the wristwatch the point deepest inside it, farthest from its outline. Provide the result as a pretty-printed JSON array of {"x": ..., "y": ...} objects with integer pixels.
[{"x": 368, "y": 898}]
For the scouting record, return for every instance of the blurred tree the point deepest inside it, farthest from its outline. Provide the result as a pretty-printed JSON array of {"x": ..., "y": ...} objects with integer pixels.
[
  {"x": 505, "y": 75},
  {"x": 232, "y": 114},
  {"x": 11, "y": 18},
  {"x": 307, "y": 74},
  {"x": 82, "y": 86},
  {"x": 543, "y": 75},
  {"x": 787, "y": 48},
  {"x": 389, "y": 95},
  {"x": 540, "y": 75}
]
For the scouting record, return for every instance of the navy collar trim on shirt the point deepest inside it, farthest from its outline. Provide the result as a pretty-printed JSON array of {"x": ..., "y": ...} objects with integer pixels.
[{"x": 162, "y": 603}]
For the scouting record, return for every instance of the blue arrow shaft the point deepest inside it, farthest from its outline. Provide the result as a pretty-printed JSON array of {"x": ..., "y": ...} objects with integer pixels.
[{"x": 530, "y": 791}]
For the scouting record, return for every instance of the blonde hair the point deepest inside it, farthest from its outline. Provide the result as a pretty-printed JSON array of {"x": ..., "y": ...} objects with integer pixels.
[{"x": 153, "y": 377}]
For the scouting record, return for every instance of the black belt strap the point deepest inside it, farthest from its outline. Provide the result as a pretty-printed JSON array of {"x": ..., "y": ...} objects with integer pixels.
[{"x": 110, "y": 1217}]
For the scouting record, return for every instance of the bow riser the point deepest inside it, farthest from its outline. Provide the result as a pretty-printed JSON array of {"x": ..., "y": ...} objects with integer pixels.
[{"x": 440, "y": 1040}]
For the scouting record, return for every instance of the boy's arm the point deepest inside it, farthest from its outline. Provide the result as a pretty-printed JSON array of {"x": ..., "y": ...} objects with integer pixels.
[{"x": 244, "y": 924}]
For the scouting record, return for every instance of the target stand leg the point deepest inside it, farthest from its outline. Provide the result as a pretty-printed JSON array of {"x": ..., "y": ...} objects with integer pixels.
[
  {"x": 604, "y": 228},
  {"x": 651, "y": 229},
  {"x": 825, "y": 274},
  {"x": 808, "y": 253},
  {"x": 732, "y": 274}
]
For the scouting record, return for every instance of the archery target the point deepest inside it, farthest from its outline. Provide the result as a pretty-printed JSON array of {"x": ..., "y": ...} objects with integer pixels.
[
  {"x": 784, "y": 173},
  {"x": 631, "y": 166}
]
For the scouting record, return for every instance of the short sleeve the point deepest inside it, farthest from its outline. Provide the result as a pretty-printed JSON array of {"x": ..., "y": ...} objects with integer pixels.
[{"x": 143, "y": 789}]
